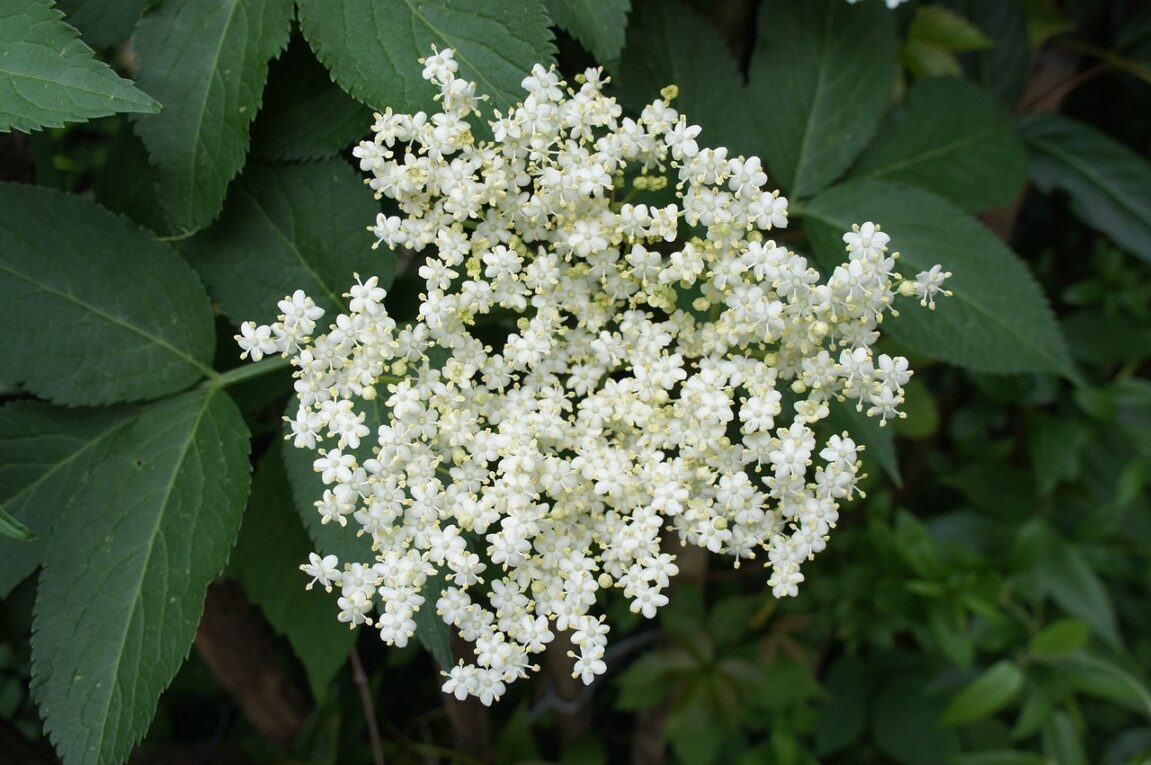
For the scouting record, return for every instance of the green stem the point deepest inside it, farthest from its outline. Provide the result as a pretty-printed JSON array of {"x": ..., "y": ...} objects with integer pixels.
[{"x": 248, "y": 371}]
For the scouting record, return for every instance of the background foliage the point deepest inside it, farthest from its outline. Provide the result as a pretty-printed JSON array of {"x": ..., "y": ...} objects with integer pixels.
[{"x": 172, "y": 168}]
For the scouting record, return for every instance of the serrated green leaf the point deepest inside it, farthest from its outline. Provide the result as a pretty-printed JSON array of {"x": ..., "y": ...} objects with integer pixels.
[
  {"x": 43, "y": 453},
  {"x": 672, "y": 45},
  {"x": 985, "y": 695},
  {"x": 819, "y": 80},
  {"x": 997, "y": 320},
  {"x": 13, "y": 529},
  {"x": 289, "y": 227},
  {"x": 599, "y": 25},
  {"x": 49, "y": 77},
  {"x": 371, "y": 46},
  {"x": 305, "y": 115},
  {"x": 1060, "y": 638},
  {"x": 951, "y": 138},
  {"x": 206, "y": 60},
  {"x": 92, "y": 310},
  {"x": 122, "y": 587},
  {"x": 1109, "y": 184},
  {"x": 103, "y": 23},
  {"x": 271, "y": 546}
]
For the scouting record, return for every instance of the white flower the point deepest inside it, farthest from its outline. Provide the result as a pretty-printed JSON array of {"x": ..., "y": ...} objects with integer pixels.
[{"x": 635, "y": 397}]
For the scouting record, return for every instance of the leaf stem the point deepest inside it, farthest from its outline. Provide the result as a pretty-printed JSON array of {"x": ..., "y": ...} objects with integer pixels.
[
  {"x": 360, "y": 678},
  {"x": 247, "y": 372}
]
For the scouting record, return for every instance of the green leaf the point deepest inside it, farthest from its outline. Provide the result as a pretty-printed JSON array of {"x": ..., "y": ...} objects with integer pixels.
[
  {"x": 985, "y": 695},
  {"x": 1069, "y": 579},
  {"x": 269, "y": 551},
  {"x": 371, "y": 46},
  {"x": 49, "y": 77},
  {"x": 999, "y": 757},
  {"x": 207, "y": 63},
  {"x": 10, "y": 527},
  {"x": 669, "y": 44},
  {"x": 1109, "y": 184},
  {"x": 997, "y": 320},
  {"x": 92, "y": 310},
  {"x": 1063, "y": 637},
  {"x": 125, "y": 184},
  {"x": 943, "y": 28},
  {"x": 951, "y": 138},
  {"x": 103, "y": 23},
  {"x": 43, "y": 455},
  {"x": 599, "y": 25},
  {"x": 431, "y": 630},
  {"x": 305, "y": 115},
  {"x": 122, "y": 588},
  {"x": 819, "y": 80},
  {"x": 289, "y": 227},
  {"x": 1063, "y": 741}
]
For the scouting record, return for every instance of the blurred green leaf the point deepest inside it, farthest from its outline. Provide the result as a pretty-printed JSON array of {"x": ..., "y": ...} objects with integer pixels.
[
  {"x": 1063, "y": 741},
  {"x": 371, "y": 46},
  {"x": 49, "y": 77},
  {"x": 878, "y": 440},
  {"x": 599, "y": 25},
  {"x": 951, "y": 138},
  {"x": 13, "y": 529},
  {"x": 1060, "y": 638},
  {"x": 126, "y": 568},
  {"x": 207, "y": 63},
  {"x": 1069, "y": 579},
  {"x": 999, "y": 757},
  {"x": 922, "y": 420},
  {"x": 998, "y": 319},
  {"x": 987, "y": 694},
  {"x": 1109, "y": 184},
  {"x": 819, "y": 79},
  {"x": 1002, "y": 68},
  {"x": 943, "y": 28},
  {"x": 103, "y": 23},
  {"x": 905, "y": 723},
  {"x": 1056, "y": 445},
  {"x": 105, "y": 320}
]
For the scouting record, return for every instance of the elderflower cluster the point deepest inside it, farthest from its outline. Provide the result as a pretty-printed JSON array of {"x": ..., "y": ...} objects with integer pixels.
[{"x": 590, "y": 377}]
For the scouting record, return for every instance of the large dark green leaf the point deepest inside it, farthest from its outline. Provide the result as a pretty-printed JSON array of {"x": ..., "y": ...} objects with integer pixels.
[
  {"x": 44, "y": 452},
  {"x": 206, "y": 60},
  {"x": 49, "y": 77},
  {"x": 151, "y": 523},
  {"x": 371, "y": 46},
  {"x": 997, "y": 320},
  {"x": 289, "y": 227},
  {"x": 951, "y": 138},
  {"x": 14, "y": 529},
  {"x": 672, "y": 45},
  {"x": 101, "y": 22},
  {"x": 819, "y": 80},
  {"x": 1109, "y": 184},
  {"x": 92, "y": 310},
  {"x": 599, "y": 25},
  {"x": 305, "y": 115},
  {"x": 269, "y": 551}
]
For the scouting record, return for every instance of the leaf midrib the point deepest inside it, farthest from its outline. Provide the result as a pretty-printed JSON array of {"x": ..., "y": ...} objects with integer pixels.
[
  {"x": 881, "y": 170},
  {"x": 111, "y": 319},
  {"x": 138, "y": 586}
]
